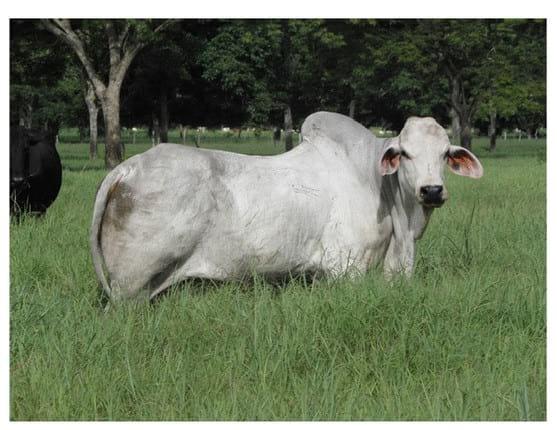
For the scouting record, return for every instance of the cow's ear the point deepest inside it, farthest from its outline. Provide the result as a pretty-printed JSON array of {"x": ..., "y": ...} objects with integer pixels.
[
  {"x": 390, "y": 160},
  {"x": 463, "y": 162}
]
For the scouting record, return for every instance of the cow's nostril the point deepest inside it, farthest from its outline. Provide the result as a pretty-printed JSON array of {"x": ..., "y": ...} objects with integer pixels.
[
  {"x": 436, "y": 189},
  {"x": 431, "y": 190}
]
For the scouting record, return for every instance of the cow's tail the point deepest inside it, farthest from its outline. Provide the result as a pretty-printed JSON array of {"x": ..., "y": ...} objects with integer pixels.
[{"x": 103, "y": 196}]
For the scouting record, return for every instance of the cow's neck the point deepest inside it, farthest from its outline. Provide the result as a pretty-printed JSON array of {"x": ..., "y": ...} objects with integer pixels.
[
  {"x": 412, "y": 217},
  {"x": 409, "y": 220}
]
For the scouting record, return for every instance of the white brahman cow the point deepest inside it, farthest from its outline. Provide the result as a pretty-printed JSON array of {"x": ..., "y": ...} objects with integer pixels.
[{"x": 339, "y": 203}]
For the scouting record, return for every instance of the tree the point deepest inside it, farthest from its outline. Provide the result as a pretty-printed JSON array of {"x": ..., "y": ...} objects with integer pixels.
[
  {"x": 239, "y": 60},
  {"x": 461, "y": 51},
  {"x": 273, "y": 71},
  {"x": 93, "y": 109},
  {"x": 41, "y": 86},
  {"x": 390, "y": 76},
  {"x": 158, "y": 73},
  {"x": 345, "y": 86},
  {"x": 305, "y": 69},
  {"x": 516, "y": 73},
  {"x": 125, "y": 39}
]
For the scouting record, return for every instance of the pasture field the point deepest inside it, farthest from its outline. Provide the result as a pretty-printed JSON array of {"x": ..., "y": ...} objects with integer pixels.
[{"x": 464, "y": 339}]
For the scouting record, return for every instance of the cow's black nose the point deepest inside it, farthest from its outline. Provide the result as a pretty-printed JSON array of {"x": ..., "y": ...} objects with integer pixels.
[
  {"x": 432, "y": 194},
  {"x": 16, "y": 182}
]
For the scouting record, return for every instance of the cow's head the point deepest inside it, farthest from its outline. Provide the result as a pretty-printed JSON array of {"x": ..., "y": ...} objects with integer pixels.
[
  {"x": 419, "y": 155},
  {"x": 19, "y": 157},
  {"x": 21, "y": 143}
]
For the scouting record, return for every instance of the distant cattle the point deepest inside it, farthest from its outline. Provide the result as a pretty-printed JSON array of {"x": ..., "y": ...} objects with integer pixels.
[
  {"x": 35, "y": 171},
  {"x": 340, "y": 202}
]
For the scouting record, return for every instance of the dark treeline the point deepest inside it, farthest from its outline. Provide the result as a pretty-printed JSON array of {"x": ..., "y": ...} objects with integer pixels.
[{"x": 487, "y": 74}]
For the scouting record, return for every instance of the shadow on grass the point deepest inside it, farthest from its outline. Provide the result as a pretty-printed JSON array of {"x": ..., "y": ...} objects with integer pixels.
[{"x": 201, "y": 287}]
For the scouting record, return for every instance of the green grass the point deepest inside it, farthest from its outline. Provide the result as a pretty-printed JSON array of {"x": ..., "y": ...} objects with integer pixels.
[{"x": 463, "y": 340}]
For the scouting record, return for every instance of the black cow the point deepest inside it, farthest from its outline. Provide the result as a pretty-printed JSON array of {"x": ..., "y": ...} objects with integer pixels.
[{"x": 35, "y": 171}]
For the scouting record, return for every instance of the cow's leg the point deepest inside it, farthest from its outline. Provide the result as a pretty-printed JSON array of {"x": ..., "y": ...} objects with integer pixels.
[
  {"x": 129, "y": 290},
  {"x": 141, "y": 282},
  {"x": 144, "y": 282},
  {"x": 399, "y": 258},
  {"x": 194, "y": 266},
  {"x": 340, "y": 263},
  {"x": 141, "y": 290}
]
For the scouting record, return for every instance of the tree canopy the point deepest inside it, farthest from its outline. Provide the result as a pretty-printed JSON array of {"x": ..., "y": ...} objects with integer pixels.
[{"x": 247, "y": 72}]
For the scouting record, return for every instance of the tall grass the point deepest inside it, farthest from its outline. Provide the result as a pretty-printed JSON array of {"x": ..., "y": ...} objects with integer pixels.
[{"x": 463, "y": 340}]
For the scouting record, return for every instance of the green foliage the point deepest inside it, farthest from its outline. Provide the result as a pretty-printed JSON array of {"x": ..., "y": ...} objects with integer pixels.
[
  {"x": 515, "y": 73},
  {"x": 465, "y": 339},
  {"x": 394, "y": 78},
  {"x": 244, "y": 72},
  {"x": 266, "y": 64},
  {"x": 42, "y": 82},
  {"x": 162, "y": 68},
  {"x": 240, "y": 59}
]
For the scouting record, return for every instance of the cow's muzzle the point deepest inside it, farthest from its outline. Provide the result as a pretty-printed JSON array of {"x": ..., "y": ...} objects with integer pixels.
[
  {"x": 18, "y": 183},
  {"x": 432, "y": 196}
]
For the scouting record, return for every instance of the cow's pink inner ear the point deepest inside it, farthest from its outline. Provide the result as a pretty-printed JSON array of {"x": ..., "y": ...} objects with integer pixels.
[
  {"x": 457, "y": 162},
  {"x": 390, "y": 162},
  {"x": 462, "y": 163}
]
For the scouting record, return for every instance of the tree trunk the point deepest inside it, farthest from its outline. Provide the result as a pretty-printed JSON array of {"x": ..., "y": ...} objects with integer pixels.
[
  {"x": 26, "y": 115},
  {"x": 21, "y": 118},
  {"x": 181, "y": 132},
  {"x": 466, "y": 135},
  {"x": 122, "y": 50},
  {"x": 464, "y": 109},
  {"x": 82, "y": 133},
  {"x": 90, "y": 101},
  {"x": 455, "y": 124},
  {"x": 352, "y": 108},
  {"x": 198, "y": 138},
  {"x": 492, "y": 132},
  {"x": 155, "y": 130},
  {"x": 113, "y": 154},
  {"x": 288, "y": 129},
  {"x": 276, "y": 136},
  {"x": 164, "y": 115}
]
